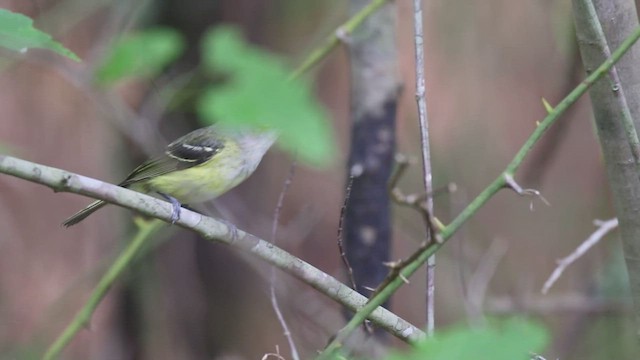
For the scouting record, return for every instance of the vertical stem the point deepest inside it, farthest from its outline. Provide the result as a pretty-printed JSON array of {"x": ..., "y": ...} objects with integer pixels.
[{"x": 426, "y": 153}]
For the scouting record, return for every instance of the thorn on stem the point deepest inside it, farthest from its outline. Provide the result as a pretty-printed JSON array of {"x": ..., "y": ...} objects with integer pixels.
[{"x": 392, "y": 264}]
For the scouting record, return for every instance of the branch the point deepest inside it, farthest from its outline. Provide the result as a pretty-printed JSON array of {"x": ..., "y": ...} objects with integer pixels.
[
  {"x": 272, "y": 286},
  {"x": 423, "y": 254},
  {"x": 426, "y": 153},
  {"x": 343, "y": 253},
  {"x": 599, "y": 41},
  {"x": 212, "y": 230},
  {"x": 334, "y": 39},
  {"x": 598, "y": 23},
  {"x": 604, "y": 227}
]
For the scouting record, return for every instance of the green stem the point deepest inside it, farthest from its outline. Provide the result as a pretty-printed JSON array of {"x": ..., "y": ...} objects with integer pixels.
[
  {"x": 334, "y": 39},
  {"x": 82, "y": 318},
  {"x": 500, "y": 182}
]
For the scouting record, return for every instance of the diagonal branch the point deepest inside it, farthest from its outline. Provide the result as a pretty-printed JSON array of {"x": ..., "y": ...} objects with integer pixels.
[
  {"x": 420, "y": 257},
  {"x": 334, "y": 39},
  {"x": 604, "y": 227},
  {"x": 212, "y": 230}
]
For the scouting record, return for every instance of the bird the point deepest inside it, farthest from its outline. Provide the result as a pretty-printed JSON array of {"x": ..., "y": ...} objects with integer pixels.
[{"x": 196, "y": 167}]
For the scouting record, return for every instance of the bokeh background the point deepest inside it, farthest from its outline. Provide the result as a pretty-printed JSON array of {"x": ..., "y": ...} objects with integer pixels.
[{"x": 489, "y": 64}]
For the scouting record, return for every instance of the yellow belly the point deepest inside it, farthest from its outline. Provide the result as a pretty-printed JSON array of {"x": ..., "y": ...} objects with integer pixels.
[{"x": 202, "y": 182}]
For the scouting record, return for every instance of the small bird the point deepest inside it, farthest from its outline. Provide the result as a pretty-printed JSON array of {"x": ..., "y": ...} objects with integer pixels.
[{"x": 197, "y": 167}]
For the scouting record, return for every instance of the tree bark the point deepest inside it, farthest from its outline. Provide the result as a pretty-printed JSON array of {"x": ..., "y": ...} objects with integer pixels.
[
  {"x": 374, "y": 94},
  {"x": 609, "y": 98}
]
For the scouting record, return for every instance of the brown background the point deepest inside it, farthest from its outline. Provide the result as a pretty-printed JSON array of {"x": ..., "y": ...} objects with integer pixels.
[{"x": 489, "y": 64}]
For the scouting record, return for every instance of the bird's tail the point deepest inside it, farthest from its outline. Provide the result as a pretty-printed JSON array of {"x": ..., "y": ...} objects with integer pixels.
[{"x": 82, "y": 214}]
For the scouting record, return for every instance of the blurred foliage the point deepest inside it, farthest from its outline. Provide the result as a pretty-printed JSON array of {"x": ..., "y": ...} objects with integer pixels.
[
  {"x": 257, "y": 90},
  {"x": 17, "y": 33},
  {"x": 509, "y": 339},
  {"x": 258, "y": 93},
  {"x": 143, "y": 54}
]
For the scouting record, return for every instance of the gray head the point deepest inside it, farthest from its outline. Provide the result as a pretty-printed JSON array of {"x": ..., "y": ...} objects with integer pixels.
[{"x": 256, "y": 140}]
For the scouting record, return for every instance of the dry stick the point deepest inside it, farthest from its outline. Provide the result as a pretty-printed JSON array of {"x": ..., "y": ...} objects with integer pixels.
[
  {"x": 604, "y": 227},
  {"x": 426, "y": 154},
  {"x": 343, "y": 253},
  {"x": 275, "y": 355},
  {"x": 513, "y": 185},
  {"x": 272, "y": 287},
  {"x": 416, "y": 260},
  {"x": 415, "y": 201}
]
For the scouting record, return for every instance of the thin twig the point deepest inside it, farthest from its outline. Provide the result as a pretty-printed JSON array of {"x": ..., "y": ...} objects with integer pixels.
[
  {"x": 513, "y": 185},
  {"x": 604, "y": 227},
  {"x": 416, "y": 201},
  {"x": 338, "y": 35},
  {"x": 275, "y": 355},
  {"x": 343, "y": 253},
  {"x": 426, "y": 153},
  {"x": 272, "y": 287}
]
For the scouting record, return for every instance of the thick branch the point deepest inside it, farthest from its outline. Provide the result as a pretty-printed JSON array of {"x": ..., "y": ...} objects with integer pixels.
[{"x": 616, "y": 103}]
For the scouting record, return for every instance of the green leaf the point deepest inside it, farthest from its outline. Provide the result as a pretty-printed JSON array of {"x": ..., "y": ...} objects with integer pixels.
[
  {"x": 511, "y": 339},
  {"x": 142, "y": 54},
  {"x": 257, "y": 92},
  {"x": 17, "y": 33}
]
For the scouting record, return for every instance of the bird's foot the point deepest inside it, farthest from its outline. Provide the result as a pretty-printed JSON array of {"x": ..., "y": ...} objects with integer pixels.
[
  {"x": 232, "y": 230},
  {"x": 175, "y": 207}
]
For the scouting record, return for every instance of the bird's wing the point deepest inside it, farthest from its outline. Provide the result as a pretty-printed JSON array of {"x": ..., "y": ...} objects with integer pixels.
[{"x": 190, "y": 150}]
